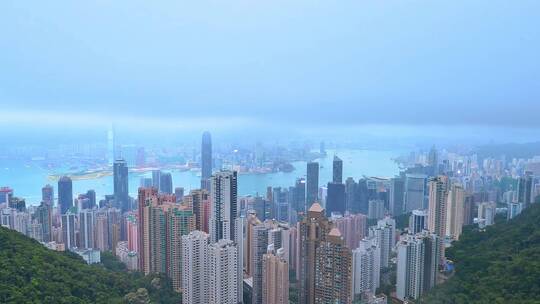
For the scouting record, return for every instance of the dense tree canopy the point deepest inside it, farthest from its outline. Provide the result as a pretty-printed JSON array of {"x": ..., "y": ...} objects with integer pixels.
[
  {"x": 498, "y": 265},
  {"x": 31, "y": 273}
]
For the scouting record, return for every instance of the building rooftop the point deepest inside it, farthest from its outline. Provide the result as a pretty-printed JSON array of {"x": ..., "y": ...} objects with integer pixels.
[{"x": 316, "y": 207}]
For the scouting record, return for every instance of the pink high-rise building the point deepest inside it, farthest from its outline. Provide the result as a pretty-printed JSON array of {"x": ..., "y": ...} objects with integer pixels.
[
  {"x": 353, "y": 228},
  {"x": 132, "y": 233}
]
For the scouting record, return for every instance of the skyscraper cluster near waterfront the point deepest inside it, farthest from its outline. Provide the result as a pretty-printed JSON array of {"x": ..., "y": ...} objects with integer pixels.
[{"x": 334, "y": 241}]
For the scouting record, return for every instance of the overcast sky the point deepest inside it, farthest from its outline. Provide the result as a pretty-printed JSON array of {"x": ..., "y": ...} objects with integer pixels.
[{"x": 243, "y": 64}]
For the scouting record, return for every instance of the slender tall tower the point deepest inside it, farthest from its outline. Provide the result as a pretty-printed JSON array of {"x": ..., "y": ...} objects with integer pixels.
[
  {"x": 47, "y": 194},
  {"x": 259, "y": 245},
  {"x": 312, "y": 183},
  {"x": 312, "y": 231},
  {"x": 121, "y": 191},
  {"x": 337, "y": 170},
  {"x": 224, "y": 206},
  {"x": 438, "y": 196},
  {"x": 65, "y": 194},
  {"x": 455, "y": 211},
  {"x": 206, "y": 160},
  {"x": 275, "y": 277}
]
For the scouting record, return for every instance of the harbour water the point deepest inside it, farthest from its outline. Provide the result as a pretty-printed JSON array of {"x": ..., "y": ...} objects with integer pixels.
[{"x": 26, "y": 179}]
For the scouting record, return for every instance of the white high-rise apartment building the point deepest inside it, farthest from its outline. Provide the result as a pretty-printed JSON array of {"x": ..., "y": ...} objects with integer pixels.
[
  {"x": 209, "y": 270},
  {"x": 194, "y": 265},
  {"x": 385, "y": 236},
  {"x": 417, "y": 259},
  {"x": 222, "y": 275},
  {"x": 366, "y": 267}
]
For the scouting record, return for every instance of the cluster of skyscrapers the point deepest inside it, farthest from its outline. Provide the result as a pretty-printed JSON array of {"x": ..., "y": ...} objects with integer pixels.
[{"x": 334, "y": 243}]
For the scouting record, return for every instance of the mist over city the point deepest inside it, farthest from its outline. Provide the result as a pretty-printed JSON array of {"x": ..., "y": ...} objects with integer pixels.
[{"x": 311, "y": 152}]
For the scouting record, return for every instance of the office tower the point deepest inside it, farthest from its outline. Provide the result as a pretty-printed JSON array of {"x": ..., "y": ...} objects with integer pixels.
[
  {"x": 146, "y": 182},
  {"x": 293, "y": 248},
  {"x": 180, "y": 222},
  {"x": 156, "y": 178},
  {"x": 486, "y": 214},
  {"x": 312, "y": 183},
  {"x": 385, "y": 237},
  {"x": 414, "y": 191},
  {"x": 68, "y": 230},
  {"x": 259, "y": 245},
  {"x": 101, "y": 232},
  {"x": 433, "y": 161},
  {"x": 323, "y": 193},
  {"x": 222, "y": 272},
  {"x": 44, "y": 217},
  {"x": 275, "y": 277},
  {"x": 468, "y": 214},
  {"x": 91, "y": 196},
  {"x": 312, "y": 231},
  {"x": 132, "y": 232},
  {"x": 438, "y": 197},
  {"x": 5, "y": 194},
  {"x": 418, "y": 221},
  {"x": 350, "y": 194},
  {"x": 47, "y": 194},
  {"x": 366, "y": 267},
  {"x": 179, "y": 193},
  {"x": 455, "y": 211},
  {"x": 337, "y": 170},
  {"x": 195, "y": 264},
  {"x": 165, "y": 183},
  {"x": 199, "y": 201},
  {"x": 376, "y": 209},
  {"x": 333, "y": 276},
  {"x": 361, "y": 197},
  {"x": 299, "y": 195},
  {"x": 396, "y": 197},
  {"x": 17, "y": 203},
  {"x": 87, "y": 228},
  {"x": 335, "y": 200},
  {"x": 525, "y": 189},
  {"x": 353, "y": 227},
  {"x": 206, "y": 160},
  {"x": 224, "y": 206},
  {"x": 65, "y": 194},
  {"x": 121, "y": 196},
  {"x": 416, "y": 265}
]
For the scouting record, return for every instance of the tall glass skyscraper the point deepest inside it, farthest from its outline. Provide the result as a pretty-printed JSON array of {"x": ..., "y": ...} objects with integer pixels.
[
  {"x": 121, "y": 184},
  {"x": 312, "y": 183},
  {"x": 65, "y": 194},
  {"x": 206, "y": 160}
]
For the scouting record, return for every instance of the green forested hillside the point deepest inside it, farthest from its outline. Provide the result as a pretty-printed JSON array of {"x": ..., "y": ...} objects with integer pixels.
[
  {"x": 499, "y": 265},
  {"x": 31, "y": 273}
]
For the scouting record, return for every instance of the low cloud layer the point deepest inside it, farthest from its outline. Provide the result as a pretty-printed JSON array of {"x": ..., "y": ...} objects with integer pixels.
[{"x": 310, "y": 63}]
